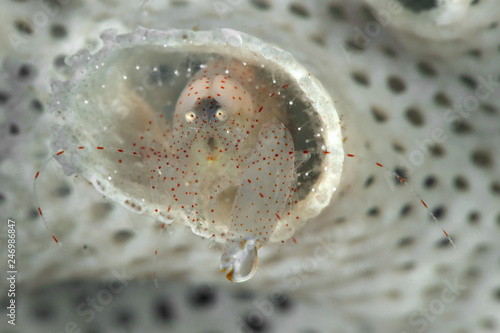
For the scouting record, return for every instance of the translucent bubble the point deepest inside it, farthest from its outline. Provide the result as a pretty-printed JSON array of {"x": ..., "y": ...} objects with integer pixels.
[
  {"x": 233, "y": 37},
  {"x": 239, "y": 261}
]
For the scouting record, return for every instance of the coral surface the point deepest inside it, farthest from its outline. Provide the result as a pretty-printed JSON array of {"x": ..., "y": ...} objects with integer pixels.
[{"x": 416, "y": 87}]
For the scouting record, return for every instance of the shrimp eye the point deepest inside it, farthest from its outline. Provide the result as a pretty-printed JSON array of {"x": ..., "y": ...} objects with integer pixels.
[
  {"x": 190, "y": 117},
  {"x": 221, "y": 115}
]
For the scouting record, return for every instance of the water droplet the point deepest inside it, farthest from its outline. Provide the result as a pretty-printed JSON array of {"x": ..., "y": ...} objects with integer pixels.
[
  {"x": 232, "y": 37},
  {"x": 239, "y": 260}
]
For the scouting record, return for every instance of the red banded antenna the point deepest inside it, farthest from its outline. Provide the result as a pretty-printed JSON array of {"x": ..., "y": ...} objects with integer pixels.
[
  {"x": 119, "y": 150},
  {"x": 40, "y": 172},
  {"x": 393, "y": 174}
]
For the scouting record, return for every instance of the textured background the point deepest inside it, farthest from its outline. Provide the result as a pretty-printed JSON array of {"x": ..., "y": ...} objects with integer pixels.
[{"x": 373, "y": 261}]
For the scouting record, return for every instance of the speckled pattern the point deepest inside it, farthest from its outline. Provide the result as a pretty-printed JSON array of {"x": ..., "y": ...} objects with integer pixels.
[{"x": 373, "y": 261}]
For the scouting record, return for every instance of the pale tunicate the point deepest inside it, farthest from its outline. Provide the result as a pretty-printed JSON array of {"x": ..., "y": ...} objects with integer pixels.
[{"x": 235, "y": 140}]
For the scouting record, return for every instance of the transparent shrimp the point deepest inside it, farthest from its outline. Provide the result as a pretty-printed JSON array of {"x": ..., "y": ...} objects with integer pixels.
[
  {"x": 218, "y": 151},
  {"x": 265, "y": 189}
]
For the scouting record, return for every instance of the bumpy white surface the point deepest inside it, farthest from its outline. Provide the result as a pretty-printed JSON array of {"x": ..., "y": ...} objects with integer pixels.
[
  {"x": 447, "y": 28},
  {"x": 373, "y": 261}
]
